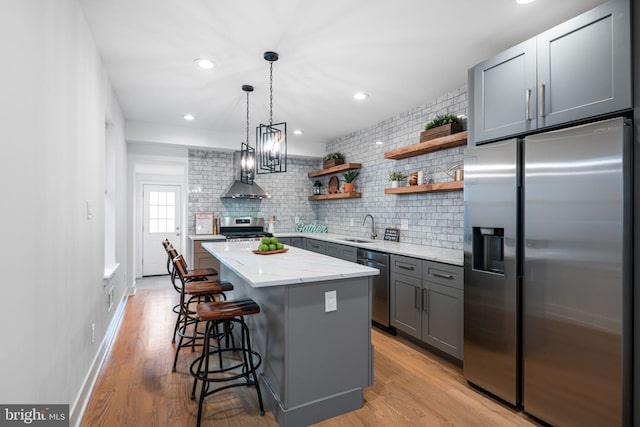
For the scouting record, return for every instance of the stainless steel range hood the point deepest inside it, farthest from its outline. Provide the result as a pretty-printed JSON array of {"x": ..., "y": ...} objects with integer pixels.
[{"x": 240, "y": 190}]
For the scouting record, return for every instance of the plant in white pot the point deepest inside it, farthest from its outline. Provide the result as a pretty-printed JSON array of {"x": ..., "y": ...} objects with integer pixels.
[{"x": 396, "y": 178}]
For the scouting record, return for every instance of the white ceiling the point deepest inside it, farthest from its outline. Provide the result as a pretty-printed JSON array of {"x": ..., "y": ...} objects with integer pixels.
[{"x": 404, "y": 53}]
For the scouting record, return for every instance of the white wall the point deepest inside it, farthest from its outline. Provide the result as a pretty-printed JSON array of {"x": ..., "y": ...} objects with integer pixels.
[{"x": 55, "y": 98}]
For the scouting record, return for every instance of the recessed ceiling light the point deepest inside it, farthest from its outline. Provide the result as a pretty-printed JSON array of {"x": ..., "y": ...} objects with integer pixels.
[
  {"x": 189, "y": 117},
  {"x": 298, "y": 132},
  {"x": 205, "y": 63},
  {"x": 524, "y": 1},
  {"x": 359, "y": 96}
]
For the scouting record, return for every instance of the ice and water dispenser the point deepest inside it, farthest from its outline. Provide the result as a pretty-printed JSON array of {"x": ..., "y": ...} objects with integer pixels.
[{"x": 488, "y": 249}]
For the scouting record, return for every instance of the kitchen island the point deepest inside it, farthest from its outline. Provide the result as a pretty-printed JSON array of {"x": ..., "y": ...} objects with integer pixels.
[{"x": 313, "y": 331}]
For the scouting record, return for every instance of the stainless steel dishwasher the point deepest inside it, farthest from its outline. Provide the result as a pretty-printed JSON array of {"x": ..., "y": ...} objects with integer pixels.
[{"x": 380, "y": 291}]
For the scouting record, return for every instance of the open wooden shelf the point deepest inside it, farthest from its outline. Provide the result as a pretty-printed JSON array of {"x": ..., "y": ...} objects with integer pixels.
[
  {"x": 335, "y": 169},
  {"x": 436, "y": 144},
  {"x": 427, "y": 188},
  {"x": 352, "y": 195}
]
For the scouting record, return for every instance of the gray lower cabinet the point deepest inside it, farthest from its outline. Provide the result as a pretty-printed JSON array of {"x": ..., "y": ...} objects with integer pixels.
[
  {"x": 315, "y": 246},
  {"x": 442, "y": 317},
  {"x": 297, "y": 242},
  {"x": 345, "y": 252},
  {"x": 404, "y": 301},
  {"x": 427, "y": 301},
  {"x": 574, "y": 71}
]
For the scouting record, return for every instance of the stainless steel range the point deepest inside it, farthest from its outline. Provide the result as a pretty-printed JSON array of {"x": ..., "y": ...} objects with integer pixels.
[{"x": 242, "y": 229}]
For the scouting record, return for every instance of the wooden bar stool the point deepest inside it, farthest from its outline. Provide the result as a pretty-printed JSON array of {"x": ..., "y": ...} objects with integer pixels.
[
  {"x": 193, "y": 292},
  {"x": 239, "y": 372},
  {"x": 199, "y": 273},
  {"x": 193, "y": 275}
]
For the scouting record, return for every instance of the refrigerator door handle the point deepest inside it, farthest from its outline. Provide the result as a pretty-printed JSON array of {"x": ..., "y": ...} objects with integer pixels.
[
  {"x": 527, "y": 104},
  {"x": 542, "y": 100}
]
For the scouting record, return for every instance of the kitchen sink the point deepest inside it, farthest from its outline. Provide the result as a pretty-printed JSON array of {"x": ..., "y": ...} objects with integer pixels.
[{"x": 350, "y": 239}]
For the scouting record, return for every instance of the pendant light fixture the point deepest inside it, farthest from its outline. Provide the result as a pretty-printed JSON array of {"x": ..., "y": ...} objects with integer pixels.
[
  {"x": 271, "y": 139},
  {"x": 247, "y": 154}
]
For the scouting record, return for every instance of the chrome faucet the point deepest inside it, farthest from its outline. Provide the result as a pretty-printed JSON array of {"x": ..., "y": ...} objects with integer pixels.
[{"x": 373, "y": 226}]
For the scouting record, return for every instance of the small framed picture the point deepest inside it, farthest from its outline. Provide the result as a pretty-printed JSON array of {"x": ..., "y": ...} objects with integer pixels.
[{"x": 204, "y": 222}]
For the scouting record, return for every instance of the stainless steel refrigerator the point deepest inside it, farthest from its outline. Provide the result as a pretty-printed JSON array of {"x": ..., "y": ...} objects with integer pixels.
[{"x": 547, "y": 292}]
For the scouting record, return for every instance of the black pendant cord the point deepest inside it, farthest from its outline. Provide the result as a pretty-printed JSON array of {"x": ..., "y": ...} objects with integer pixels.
[
  {"x": 247, "y": 140},
  {"x": 270, "y": 93}
]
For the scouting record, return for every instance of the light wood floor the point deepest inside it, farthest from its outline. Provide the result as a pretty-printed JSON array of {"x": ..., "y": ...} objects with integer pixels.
[{"x": 137, "y": 388}]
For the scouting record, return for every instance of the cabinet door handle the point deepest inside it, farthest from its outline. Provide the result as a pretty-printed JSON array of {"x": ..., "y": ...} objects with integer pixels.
[
  {"x": 443, "y": 276},
  {"x": 541, "y": 101},
  {"x": 404, "y": 267},
  {"x": 527, "y": 104},
  {"x": 424, "y": 300},
  {"x": 416, "y": 298}
]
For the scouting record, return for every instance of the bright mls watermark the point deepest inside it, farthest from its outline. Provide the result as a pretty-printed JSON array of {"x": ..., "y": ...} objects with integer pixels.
[{"x": 38, "y": 415}]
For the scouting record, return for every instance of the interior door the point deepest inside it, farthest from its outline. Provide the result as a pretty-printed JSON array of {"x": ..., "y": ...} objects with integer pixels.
[{"x": 161, "y": 221}]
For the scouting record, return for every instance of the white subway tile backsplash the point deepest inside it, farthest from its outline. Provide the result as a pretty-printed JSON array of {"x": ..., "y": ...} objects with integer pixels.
[{"x": 435, "y": 219}]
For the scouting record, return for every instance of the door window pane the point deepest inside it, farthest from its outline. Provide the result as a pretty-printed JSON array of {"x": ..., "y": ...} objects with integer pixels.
[{"x": 162, "y": 211}]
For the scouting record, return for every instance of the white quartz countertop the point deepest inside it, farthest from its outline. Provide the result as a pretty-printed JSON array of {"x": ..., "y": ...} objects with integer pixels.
[
  {"x": 195, "y": 237},
  {"x": 430, "y": 253},
  {"x": 292, "y": 267}
]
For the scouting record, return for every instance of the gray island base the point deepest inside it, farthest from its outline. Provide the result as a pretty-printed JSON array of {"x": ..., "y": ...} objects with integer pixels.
[{"x": 316, "y": 349}]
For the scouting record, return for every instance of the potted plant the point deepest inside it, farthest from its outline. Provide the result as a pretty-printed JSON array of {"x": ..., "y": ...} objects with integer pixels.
[
  {"x": 441, "y": 126},
  {"x": 332, "y": 159},
  {"x": 349, "y": 177},
  {"x": 395, "y": 178}
]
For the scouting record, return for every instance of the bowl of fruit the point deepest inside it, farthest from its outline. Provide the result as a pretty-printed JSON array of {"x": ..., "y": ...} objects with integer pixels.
[{"x": 269, "y": 246}]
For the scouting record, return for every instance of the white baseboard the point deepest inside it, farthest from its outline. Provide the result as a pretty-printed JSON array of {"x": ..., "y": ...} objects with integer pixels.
[{"x": 79, "y": 406}]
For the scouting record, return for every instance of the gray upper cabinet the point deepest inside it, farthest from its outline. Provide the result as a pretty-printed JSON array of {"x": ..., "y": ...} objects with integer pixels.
[
  {"x": 504, "y": 101},
  {"x": 576, "y": 70},
  {"x": 584, "y": 65}
]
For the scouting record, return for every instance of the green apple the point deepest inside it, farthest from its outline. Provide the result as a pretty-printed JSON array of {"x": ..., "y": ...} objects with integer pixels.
[
  {"x": 263, "y": 248},
  {"x": 272, "y": 247},
  {"x": 265, "y": 240},
  {"x": 279, "y": 246}
]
